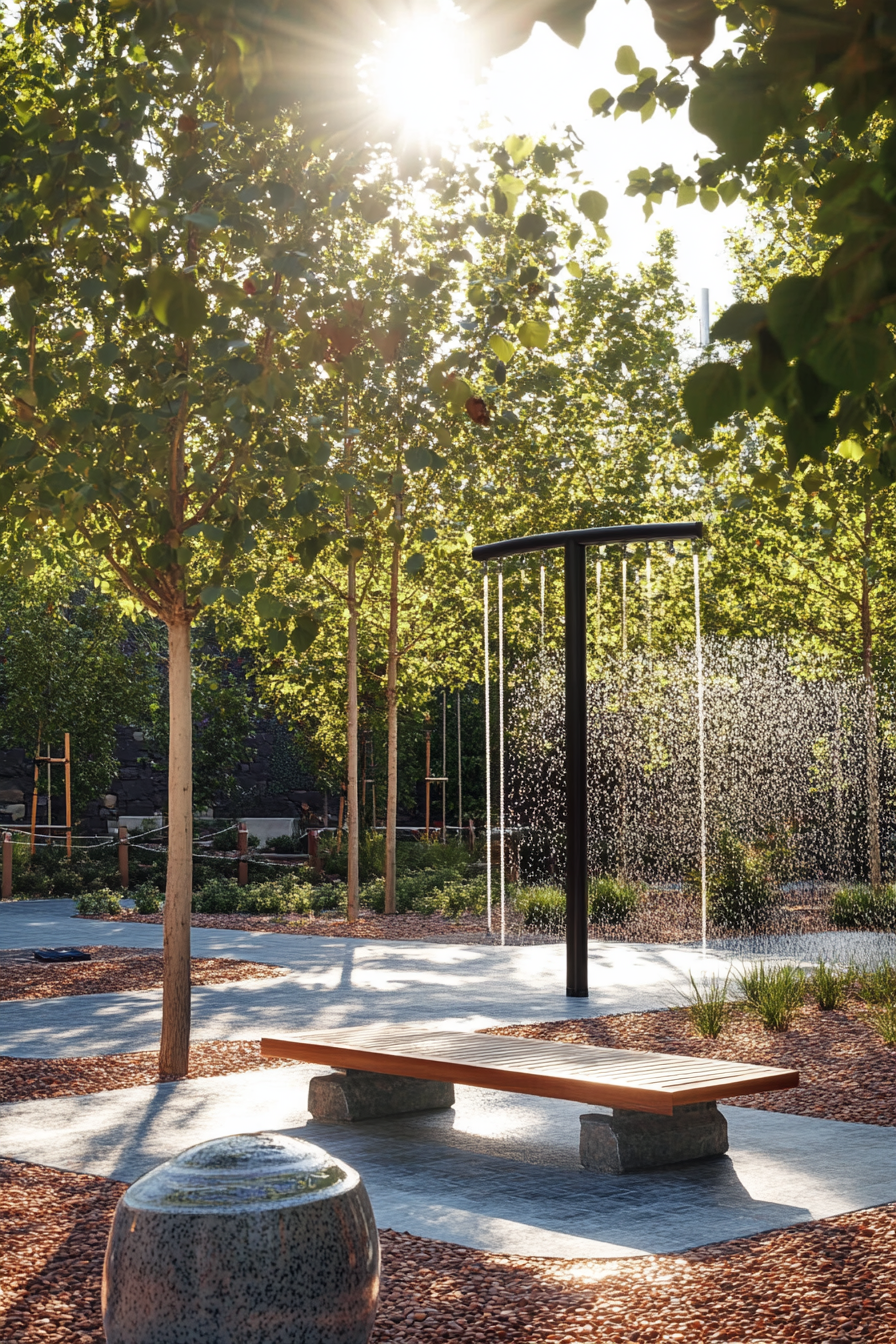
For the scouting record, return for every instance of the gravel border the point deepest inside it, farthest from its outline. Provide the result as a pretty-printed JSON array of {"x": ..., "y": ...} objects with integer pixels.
[
  {"x": 822, "y": 1281},
  {"x": 661, "y": 917},
  {"x": 846, "y": 1072},
  {"x": 37, "y": 1079},
  {"x": 114, "y": 970}
]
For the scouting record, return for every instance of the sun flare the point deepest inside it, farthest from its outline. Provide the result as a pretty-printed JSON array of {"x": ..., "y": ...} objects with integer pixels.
[{"x": 423, "y": 75}]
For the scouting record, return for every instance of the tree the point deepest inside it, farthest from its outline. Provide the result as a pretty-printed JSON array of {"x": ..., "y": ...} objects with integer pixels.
[
  {"x": 65, "y": 668},
  {"x": 159, "y": 254}
]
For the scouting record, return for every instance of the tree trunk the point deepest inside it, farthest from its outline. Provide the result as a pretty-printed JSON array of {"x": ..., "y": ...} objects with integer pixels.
[
  {"x": 392, "y": 731},
  {"x": 174, "y": 1053},
  {"x": 352, "y": 717},
  {"x": 872, "y": 762}
]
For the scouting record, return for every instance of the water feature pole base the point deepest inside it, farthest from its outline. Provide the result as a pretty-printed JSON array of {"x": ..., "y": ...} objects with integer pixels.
[
  {"x": 633, "y": 1140},
  {"x": 357, "y": 1095}
]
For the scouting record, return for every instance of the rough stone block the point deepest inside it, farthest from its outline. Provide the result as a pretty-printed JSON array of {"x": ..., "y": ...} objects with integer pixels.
[
  {"x": 633, "y": 1140},
  {"x": 12, "y": 796},
  {"x": 358, "y": 1095}
]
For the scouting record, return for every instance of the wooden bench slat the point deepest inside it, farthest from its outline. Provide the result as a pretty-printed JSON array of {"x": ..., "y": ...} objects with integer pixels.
[{"x": 595, "y": 1075}]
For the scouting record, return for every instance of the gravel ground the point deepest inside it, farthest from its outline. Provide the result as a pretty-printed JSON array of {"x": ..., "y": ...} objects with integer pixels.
[
  {"x": 34, "y": 1079},
  {"x": 112, "y": 970},
  {"x": 661, "y": 917},
  {"x": 846, "y": 1072},
  {"x": 824, "y": 1281}
]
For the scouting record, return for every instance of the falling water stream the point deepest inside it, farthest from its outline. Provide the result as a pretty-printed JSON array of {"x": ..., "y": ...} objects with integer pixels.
[
  {"x": 701, "y": 737},
  {"x": 488, "y": 756}
]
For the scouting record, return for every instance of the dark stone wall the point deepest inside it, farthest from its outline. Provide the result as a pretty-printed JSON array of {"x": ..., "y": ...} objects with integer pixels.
[{"x": 267, "y": 784}]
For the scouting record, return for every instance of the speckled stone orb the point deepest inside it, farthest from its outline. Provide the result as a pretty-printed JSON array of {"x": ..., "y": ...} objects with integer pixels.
[{"x": 249, "y": 1239}]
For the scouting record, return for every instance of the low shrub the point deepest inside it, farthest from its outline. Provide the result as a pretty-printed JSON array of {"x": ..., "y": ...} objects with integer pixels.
[
  {"x": 224, "y": 896},
  {"x": 542, "y": 908},
  {"x": 862, "y": 907},
  {"x": 429, "y": 892},
  {"x": 99, "y": 902},
  {"x": 883, "y": 1020},
  {"x": 282, "y": 844},
  {"x": 772, "y": 993},
  {"x": 707, "y": 1005},
  {"x": 876, "y": 983},
  {"x": 610, "y": 901},
  {"x": 147, "y": 898},
  {"x": 740, "y": 890},
  {"x": 829, "y": 986}
]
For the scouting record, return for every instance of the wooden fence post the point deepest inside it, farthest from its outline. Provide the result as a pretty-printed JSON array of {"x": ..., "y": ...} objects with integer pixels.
[
  {"x": 314, "y": 850},
  {"x": 242, "y": 845},
  {"x": 123, "y": 856},
  {"x": 7, "y": 866}
]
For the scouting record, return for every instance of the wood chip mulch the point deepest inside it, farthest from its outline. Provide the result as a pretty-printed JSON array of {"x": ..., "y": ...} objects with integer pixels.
[
  {"x": 846, "y": 1072},
  {"x": 428, "y": 928},
  {"x": 823, "y": 1281},
  {"x": 661, "y": 917},
  {"x": 113, "y": 970},
  {"x": 36, "y": 1079}
]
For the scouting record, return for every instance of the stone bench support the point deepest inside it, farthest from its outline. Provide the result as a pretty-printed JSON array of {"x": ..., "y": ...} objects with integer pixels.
[
  {"x": 633, "y": 1140},
  {"x": 354, "y": 1094}
]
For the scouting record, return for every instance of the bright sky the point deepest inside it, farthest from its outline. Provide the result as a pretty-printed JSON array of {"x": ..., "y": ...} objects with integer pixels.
[{"x": 547, "y": 83}]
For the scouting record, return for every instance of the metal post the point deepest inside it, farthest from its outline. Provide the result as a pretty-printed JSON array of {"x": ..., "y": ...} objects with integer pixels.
[
  {"x": 123, "y": 856},
  {"x": 7, "y": 867},
  {"x": 427, "y": 782},
  {"x": 444, "y": 764},
  {"x": 576, "y": 773},
  {"x": 242, "y": 845}
]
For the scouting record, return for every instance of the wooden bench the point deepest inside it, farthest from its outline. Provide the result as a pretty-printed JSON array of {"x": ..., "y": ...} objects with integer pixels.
[{"x": 664, "y": 1106}]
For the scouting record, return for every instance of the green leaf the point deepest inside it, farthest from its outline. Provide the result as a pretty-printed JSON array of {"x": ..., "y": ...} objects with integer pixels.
[
  {"x": 519, "y": 147},
  {"x": 796, "y": 312},
  {"x": 23, "y": 314},
  {"x": 574, "y": 269},
  {"x": 134, "y": 293},
  {"x": 210, "y": 595},
  {"x": 415, "y": 563},
  {"x": 709, "y": 198},
  {"x": 304, "y": 633},
  {"x": 854, "y": 356},
  {"x": 593, "y": 206},
  {"x": 501, "y": 347},
  {"x": 732, "y": 107},
  {"x": 176, "y": 302},
  {"x": 711, "y": 395},
  {"x": 531, "y": 227},
  {"x": 270, "y": 608},
  {"x": 601, "y": 100},
  {"x": 627, "y": 62},
  {"x": 510, "y": 185},
  {"x": 108, "y": 353},
  {"x": 687, "y": 193},
  {"x": 533, "y": 334},
  {"x": 418, "y": 458},
  {"x": 739, "y": 322},
  {"x": 203, "y": 219},
  {"x": 428, "y": 534}
]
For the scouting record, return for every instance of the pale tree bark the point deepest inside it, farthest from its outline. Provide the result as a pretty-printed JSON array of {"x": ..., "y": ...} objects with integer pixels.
[
  {"x": 392, "y": 724},
  {"x": 352, "y": 718},
  {"x": 174, "y": 1051}
]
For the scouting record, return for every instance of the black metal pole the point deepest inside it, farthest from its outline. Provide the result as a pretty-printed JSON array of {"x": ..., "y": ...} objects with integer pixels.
[{"x": 576, "y": 773}]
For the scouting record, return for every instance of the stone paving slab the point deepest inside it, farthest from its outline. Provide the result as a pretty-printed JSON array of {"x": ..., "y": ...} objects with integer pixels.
[
  {"x": 497, "y": 1172},
  {"x": 338, "y": 982}
]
